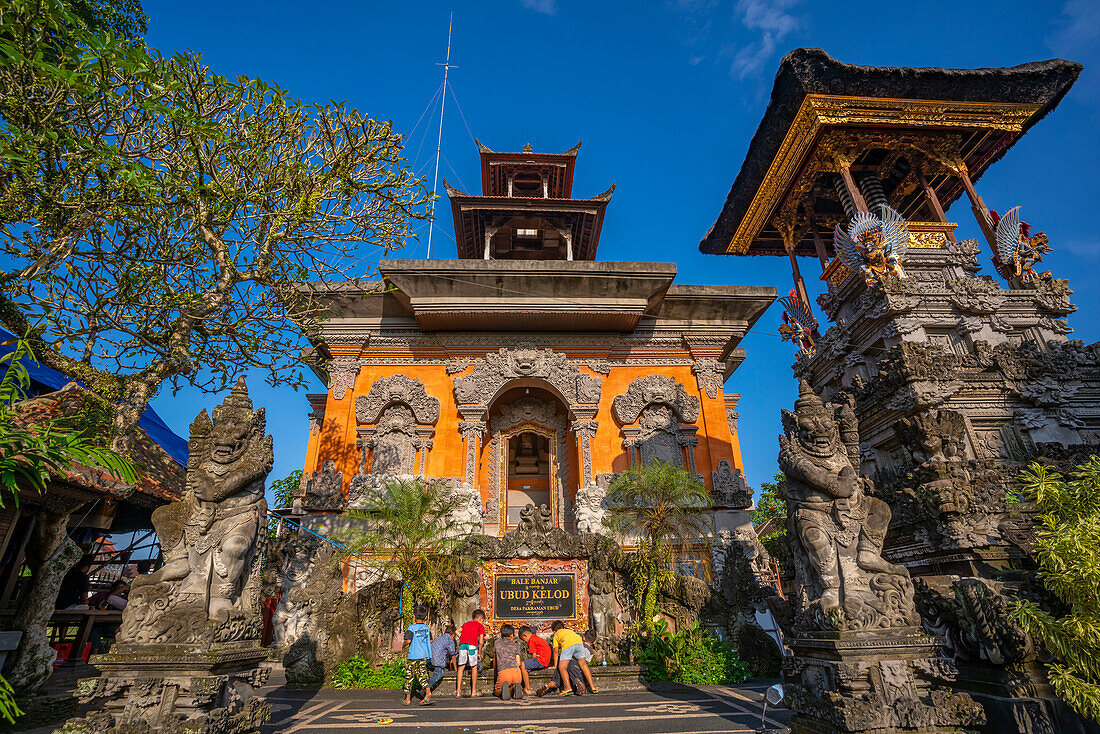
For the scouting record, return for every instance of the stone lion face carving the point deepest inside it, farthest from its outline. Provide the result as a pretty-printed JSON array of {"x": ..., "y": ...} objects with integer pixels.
[
  {"x": 525, "y": 361},
  {"x": 230, "y": 441}
]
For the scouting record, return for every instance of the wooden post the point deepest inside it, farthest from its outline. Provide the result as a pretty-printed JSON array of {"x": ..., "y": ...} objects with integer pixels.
[
  {"x": 981, "y": 212},
  {"x": 819, "y": 245},
  {"x": 789, "y": 243},
  {"x": 850, "y": 184},
  {"x": 934, "y": 202},
  {"x": 17, "y": 564}
]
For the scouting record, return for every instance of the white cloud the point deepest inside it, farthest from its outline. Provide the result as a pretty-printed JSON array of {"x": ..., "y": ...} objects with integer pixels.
[
  {"x": 1079, "y": 28},
  {"x": 1089, "y": 249},
  {"x": 773, "y": 21},
  {"x": 547, "y": 7}
]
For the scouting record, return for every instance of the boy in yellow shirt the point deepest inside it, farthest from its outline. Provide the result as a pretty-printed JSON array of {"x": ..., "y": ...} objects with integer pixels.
[{"x": 568, "y": 645}]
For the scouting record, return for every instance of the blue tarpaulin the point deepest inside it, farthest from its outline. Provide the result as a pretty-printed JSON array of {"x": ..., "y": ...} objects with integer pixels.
[{"x": 47, "y": 377}]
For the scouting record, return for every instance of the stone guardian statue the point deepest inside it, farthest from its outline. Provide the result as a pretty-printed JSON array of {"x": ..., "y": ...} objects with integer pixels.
[
  {"x": 859, "y": 661},
  {"x": 188, "y": 652},
  {"x": 837, "y": 529}
]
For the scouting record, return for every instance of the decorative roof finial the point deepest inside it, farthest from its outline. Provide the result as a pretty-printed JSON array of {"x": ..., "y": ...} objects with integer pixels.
[{"x": 527, "y": 148}]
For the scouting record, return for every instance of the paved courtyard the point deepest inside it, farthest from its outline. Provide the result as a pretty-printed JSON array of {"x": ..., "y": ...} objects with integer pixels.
[{"x": 672, "y": 708}]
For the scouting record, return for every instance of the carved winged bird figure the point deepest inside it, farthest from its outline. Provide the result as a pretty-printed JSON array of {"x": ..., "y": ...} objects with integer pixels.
[
  {"x": 799, "y": 325},
  {"x": 1017, "y": 249},
  {"x": 874, "y": 245}
]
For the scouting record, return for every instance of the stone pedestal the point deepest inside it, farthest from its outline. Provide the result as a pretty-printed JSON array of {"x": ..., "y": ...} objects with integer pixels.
[
  {"x": 874, "y": 682},
  {"x": 168, "y": 688}
]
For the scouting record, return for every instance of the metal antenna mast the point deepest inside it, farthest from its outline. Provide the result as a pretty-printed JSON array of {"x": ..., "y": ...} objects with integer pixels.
[{"x": 439, "y": 143}]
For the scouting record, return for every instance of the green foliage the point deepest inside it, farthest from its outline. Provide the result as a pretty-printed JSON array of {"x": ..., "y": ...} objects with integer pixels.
[
  {"x": 282, "y": 497},
  {"x": 1068, "y": 552},
  {"x": 662, "y": 506},
  {"x": 159, "y": 220},
  {"x": 692, "y": 656},
  {"x": 282, "y": 490},
  {"x": 9, "y": 709},
  {"x": 358, "y": 673},
  {"x": 31, "y": 454},
  {"x": 408, "y": 532},
  {"x": 769, "y": 504}
]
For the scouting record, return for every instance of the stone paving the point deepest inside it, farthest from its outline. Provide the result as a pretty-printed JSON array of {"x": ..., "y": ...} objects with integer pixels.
[{"x": 663, "y": 709}]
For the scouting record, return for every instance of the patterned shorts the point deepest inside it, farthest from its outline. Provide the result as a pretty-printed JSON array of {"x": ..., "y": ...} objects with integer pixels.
[{"x": 417, "y": 669}]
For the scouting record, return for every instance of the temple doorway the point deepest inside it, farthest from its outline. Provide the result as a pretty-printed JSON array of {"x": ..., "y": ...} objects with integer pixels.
[
  {"x": 529, "y": 456},
  {"x": 528, "y": 474}
]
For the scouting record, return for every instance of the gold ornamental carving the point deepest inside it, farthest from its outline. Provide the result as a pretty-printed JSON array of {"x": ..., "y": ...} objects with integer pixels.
[
  {"x": 929, "y": 235},
  {"x": 819, "y": 111}
]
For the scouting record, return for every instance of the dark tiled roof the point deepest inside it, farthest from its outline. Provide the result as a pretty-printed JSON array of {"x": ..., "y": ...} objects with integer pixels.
[{"x": 159, "y": 474}]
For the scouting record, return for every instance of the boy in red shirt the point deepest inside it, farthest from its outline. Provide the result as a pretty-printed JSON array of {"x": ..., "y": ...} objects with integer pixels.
[
  {"x": 470, "y": 638},
  {"x": 540, "y": 654}
]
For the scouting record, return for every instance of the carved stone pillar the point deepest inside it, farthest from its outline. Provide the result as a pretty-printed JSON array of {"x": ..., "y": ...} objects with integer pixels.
[
  {"x": 689, "y": 441},
  {"x": 423, "y": 445},
  {"x": 472, "y": 431},
  {"x": 585, "y": 431}
]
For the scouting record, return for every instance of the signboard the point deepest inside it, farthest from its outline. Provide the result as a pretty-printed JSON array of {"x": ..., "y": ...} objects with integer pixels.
[
  {"x": 523, "y": 597},
  {"x": 534, "y": 592}
]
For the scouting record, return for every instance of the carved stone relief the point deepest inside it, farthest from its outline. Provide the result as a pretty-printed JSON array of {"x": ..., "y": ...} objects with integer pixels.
[
  {"x": 729, "y": 488},
  {"x": 342, "y": 374},
  {"x": 708, "y": 372},
  {"x": 655, "y": 390},
  {"x": 323, "y": 491},
  {"x": 397, "y": 389},
  {"x": 660, "y": 406},
  {"x": 396, "y": 419},
  {"x": 526, "y": 361},
  {"x": 658, "y": 435},
  {"x": 393, "y": 449}
]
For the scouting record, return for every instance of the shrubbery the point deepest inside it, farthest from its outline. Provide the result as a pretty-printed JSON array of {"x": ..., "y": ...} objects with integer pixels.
[
  {"x": 358, "y": 673},
  {"x": 1067, "y": 543},
  {"x": 691, "y": 656}
]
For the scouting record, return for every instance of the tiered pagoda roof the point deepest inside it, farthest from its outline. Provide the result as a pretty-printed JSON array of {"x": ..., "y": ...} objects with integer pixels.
[{"x": 526, "y": 210}]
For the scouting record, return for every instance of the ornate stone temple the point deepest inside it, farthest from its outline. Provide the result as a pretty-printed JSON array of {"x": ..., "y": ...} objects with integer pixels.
[
  {"x": 526, "y": 373},
  {"x": 957, "y": 378}
]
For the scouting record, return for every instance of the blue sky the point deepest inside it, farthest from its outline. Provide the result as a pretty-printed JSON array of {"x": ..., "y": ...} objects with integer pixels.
[{"x": 666, "y": 96}]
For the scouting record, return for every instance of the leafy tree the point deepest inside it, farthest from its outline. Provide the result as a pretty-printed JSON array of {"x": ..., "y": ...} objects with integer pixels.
[
  {"x": 283, "y": 490},
  {"x": 165, "y": 223},
  {"x": 76, "y": 87},
  {"x": 663, "y": 507},
  {"x": 769, "y": 504},
  {"x": 30, "y": 454},
  {"x": 409, "y": 533},
  {"x": 1068, "y": 552},
  {"x": 282, "y": 497}
]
